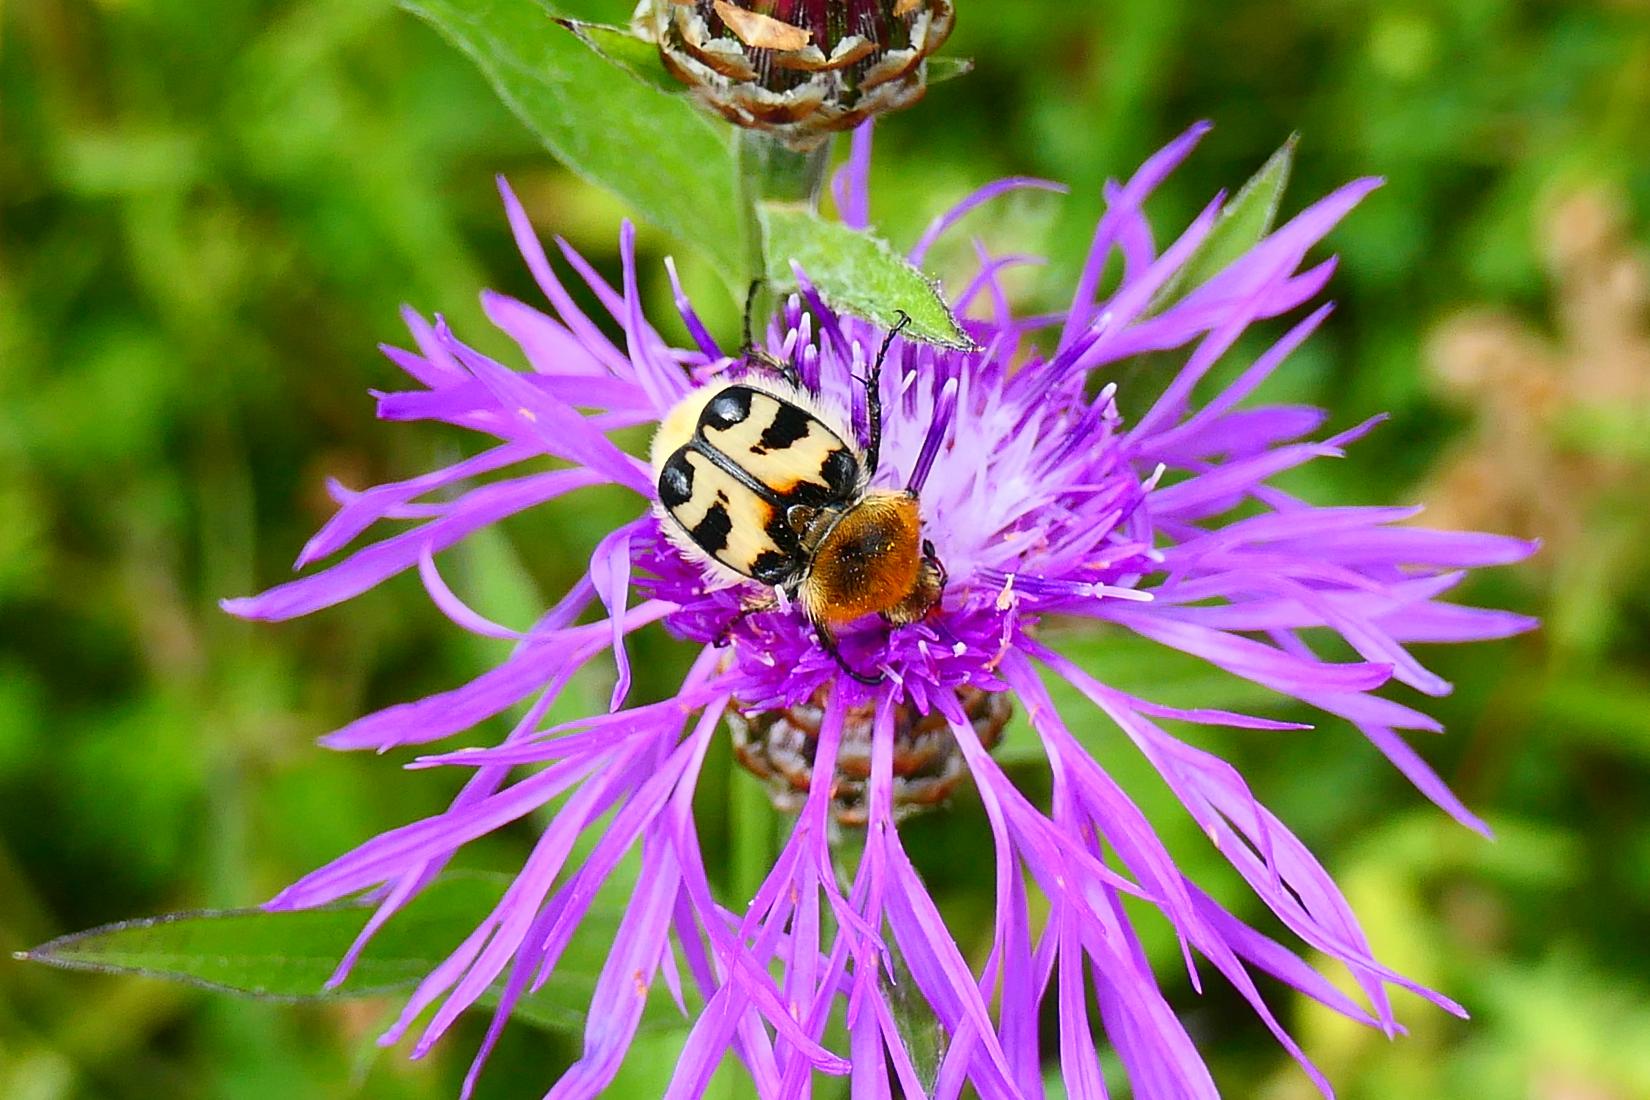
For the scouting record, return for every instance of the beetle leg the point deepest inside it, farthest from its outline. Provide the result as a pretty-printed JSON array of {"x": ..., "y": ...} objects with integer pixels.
[
  {"x": 751, "y": 605},
  {"x": 932, "y": 558},
  {"x": 827, "y": 642},
  {"x": 873, "y": 397},
  {"x": 761, "y": 357}
]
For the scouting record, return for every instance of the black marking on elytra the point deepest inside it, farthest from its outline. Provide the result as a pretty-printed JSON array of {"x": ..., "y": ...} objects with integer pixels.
[
  {"x": 772, "y": 567},
  {"x": 676, "y": 481},
  {"x": 834, "y": 485},
  {"x": 809, "y": 494},
  {"x": 783, "y": 535},
  {"x": 789, "y": 425},
  {"x": 711, "y": 533},
  {"x": 841, "y": 472},
  {"x": 731, "y": 406}
]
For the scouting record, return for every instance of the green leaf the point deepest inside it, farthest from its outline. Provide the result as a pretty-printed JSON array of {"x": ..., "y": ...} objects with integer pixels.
[
  {"x": 635, "y": 55},
  {"x": 289, "y": 956},
  {"x": 1250, "y": 216},
  {"x": 284, "y": 956},
  {"x": 856, "y": 273},
  {"x": 919, "y": 1025},
  {"x": 941, "y": 69},
  {"x": 655, "y": 151}
]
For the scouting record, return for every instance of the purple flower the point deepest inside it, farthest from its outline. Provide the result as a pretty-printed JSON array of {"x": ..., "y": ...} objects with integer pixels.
[{"x": 1042, "y": 500}]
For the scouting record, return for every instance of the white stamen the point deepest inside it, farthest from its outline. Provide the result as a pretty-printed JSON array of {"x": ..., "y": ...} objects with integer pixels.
[
  {"x": 1005, "y": 599},
  {"x": 1112, "y": 591}
]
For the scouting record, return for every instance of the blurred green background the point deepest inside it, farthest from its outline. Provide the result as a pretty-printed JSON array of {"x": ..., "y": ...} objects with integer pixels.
[{"x": 211, "y": 211}]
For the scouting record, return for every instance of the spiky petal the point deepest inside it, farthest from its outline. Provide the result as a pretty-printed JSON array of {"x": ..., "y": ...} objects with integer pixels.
[{"x": 1044, "y": 499}]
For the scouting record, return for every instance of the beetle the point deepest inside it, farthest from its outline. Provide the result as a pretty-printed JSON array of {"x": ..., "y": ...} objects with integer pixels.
[{"x": 759, "y": 481}]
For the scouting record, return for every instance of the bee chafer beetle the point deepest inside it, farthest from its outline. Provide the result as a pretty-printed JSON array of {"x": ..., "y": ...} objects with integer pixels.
[{"x": 758, "y": 481}]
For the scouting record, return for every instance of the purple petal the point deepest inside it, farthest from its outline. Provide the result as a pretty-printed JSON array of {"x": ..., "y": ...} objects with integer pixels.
[
  {"x": 948, "y": 220},
  {"x": 664, "y": 382},
  {"x": 551, "y": 349},
  {"x": 368, "y": 507},
  {"x": 1253, "y": 660},
  {"x": 462, "y": 614},
  {"x": 371, "y": 566},
  {"x": 1418, "y": 772},
  {"x": 552, "y": 659},
  {"x": 1134, "y": 193},
  {"x": 538, "y": 263},
  {"x": 557, "y": 427},
  {"x": 852, "y": 186},
  {"x": 610, "y": 572}
]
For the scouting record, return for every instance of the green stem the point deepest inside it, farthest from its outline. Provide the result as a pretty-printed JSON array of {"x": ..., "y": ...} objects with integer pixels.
[
  {"x": 751, "y": 824},
  {"x": 770, "y": 171}
]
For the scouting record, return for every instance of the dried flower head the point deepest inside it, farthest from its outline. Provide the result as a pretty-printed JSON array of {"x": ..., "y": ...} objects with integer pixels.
[
  {"x": 1043, "y": 500},
  {"x": 1533, "y": 396},
  {"x": 800, "y": 69}
]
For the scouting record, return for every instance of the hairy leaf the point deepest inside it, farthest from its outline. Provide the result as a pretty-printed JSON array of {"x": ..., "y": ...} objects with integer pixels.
[
  {"x": 655, "y": 151},
  {"x": 856, "y": 273},
  {"x": 289, "y": 956},
  {"x": 635, "y": 55},
  {"x": 284, "y": 956}
]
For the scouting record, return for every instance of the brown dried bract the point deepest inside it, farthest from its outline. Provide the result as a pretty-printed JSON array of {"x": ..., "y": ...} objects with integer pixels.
[
  {"x": 779, "y": 747},
  {"x": 801, "y": 69},
  {"x": 762, "y": 32}
]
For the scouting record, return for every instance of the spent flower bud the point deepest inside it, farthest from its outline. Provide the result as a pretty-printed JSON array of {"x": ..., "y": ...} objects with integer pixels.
[{"x": 799, "y": 69}]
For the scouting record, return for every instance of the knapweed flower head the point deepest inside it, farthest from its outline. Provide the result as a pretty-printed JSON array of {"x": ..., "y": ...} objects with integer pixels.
[
  {"x": 799, "y": 69},
  {"x": 1042, "y": 500}
]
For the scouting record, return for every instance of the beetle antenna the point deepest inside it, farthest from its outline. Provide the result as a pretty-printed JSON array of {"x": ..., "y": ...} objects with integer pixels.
[
  {"x": 827, "y": 642},
  {"x": 873, "y": 396},
  {"x": 750, "y": 307},
  {"x": 749, "y": 351}
]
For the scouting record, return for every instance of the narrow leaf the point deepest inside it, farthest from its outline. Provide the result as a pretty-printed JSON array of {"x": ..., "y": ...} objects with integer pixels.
[
  {"x": 655, "y": 151},
  {"x": 619, "y": 45},
  {"x": 856, "y": 273},
  {"x": 1250, "y": 216},
  {"x": 289, "y": 956},
  {"x": 284, "y": 956}
]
